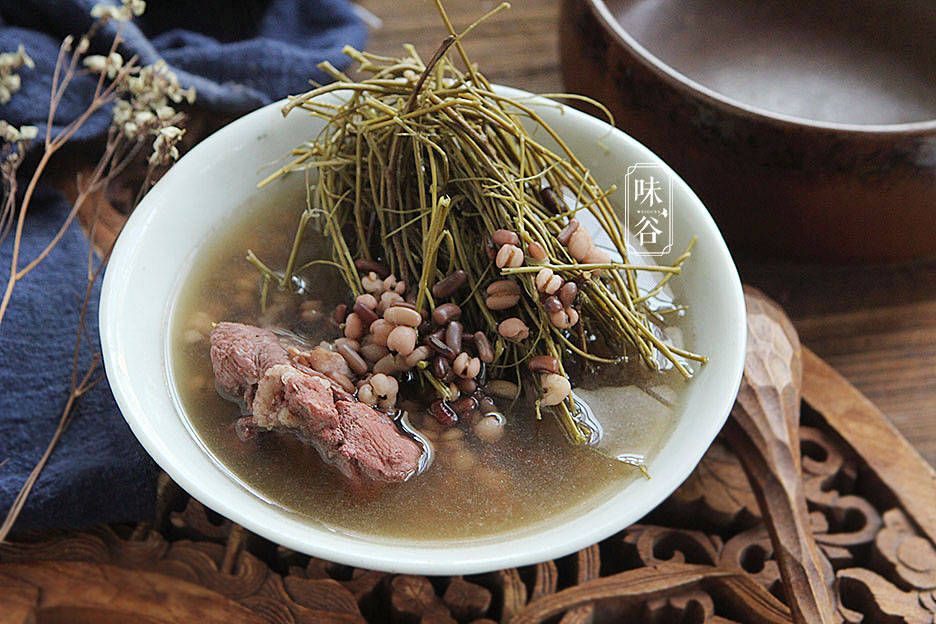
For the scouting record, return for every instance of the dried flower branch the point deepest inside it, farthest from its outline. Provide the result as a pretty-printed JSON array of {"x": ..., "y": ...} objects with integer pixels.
[
  {"x": 15, "y": 142},
  {"x": 143, "y": 100},
  {"x": 143, "y": 117}
]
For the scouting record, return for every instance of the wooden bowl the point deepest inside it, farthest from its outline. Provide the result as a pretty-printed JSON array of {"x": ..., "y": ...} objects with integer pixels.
[{"x": 808, "y": 129}]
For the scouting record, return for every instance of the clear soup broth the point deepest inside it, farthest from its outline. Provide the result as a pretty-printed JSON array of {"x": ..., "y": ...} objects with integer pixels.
[{"x": 473, "y": 490}]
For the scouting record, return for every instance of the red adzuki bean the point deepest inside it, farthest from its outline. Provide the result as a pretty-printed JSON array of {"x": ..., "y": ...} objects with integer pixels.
[
  {"x": 543, "y": 364},
  {"x": 443, "y": 413},
  {"x": 441, "y": 369},
  {"x": 445, "y": 313},
  {"x": 567, "y": 232},
  {"x": 364, "y": 313},
  {"x": 438, "y": 345},
  {"x": 483, "y": 347},
  {"x": 453, "y": 336},
  {"x": 366, "y": 266},
  {"x": 447, "y": 286},
  {"x": 552, "y": 304},
  {"x": 505, "y": 237},
  {"x": 552, "y": 199},
  {"x": 340, "y": 313}
]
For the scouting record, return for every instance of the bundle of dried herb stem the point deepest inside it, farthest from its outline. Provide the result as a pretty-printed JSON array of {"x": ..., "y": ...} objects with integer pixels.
[{"x": 420, "y": 162}]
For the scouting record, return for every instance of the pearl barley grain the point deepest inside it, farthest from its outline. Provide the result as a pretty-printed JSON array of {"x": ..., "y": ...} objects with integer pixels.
[
  {"x": 553, "y": 285},
  {"x": 372, "y": 284},
  {"x": 401, "y": 315},
  {"x": 402, "y": 340},
  {"x": 460, "y": 365},
  {"x": 580, "y": 244},
  {"x": 513, "y": 329},
  {"x": 372, "y": 352},
  {"x": 419, "y": 354},
  {"x": 509, "y": 256},
  {"x": 354, "y": 328},
  {"x": 380, "y": 331},
  {"x": 568, "y": 293},
  {"x": 542, "y": 279},
  {"x": 555, "y": 389},
  {"x": 367, "y": 300},
  {"x": 564, "y": 319},
  {"x": 384, "y": 385},
  {"x": 489, "y": 429}
]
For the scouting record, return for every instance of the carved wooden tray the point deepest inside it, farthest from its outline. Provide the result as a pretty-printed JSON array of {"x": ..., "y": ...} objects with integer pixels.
[{"x": 703, "y": 556}]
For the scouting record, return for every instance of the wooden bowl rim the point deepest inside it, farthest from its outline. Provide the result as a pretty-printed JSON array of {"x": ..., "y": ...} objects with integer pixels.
[{"x": 680, "y": 81}]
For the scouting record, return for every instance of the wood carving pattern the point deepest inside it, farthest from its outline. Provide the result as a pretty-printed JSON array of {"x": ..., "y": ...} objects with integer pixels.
[
  {"x": 718, "y": 491},
  {"x": 704, "y": 557}
]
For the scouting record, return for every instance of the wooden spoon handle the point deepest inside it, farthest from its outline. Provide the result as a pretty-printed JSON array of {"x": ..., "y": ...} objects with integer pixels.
[
  {"x": 763, "y": 431},
  {"x": 806, "y": 575}
]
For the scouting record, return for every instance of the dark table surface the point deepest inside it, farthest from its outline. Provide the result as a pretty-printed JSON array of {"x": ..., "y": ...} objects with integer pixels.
[{"x": 875, "y": 324}]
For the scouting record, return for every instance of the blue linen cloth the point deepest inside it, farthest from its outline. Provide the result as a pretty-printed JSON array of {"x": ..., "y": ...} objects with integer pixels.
[{"x": 238, "y": 56}]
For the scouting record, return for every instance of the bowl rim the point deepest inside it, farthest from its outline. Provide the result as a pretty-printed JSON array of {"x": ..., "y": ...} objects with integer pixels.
[
  {"x": 463, "y": 557},
  {"x": 679, "y": 80}
]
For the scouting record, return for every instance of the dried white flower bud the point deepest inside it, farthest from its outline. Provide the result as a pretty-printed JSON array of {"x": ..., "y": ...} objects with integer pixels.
[
  {"x": 9, "y": 80},
  {"x": 164, "y": 147},
  {"x": 23, "y": 58},
  {"x": 95, "y": 63},
  {"x": 137, "y": 7},
  {"x": 11, "y": 61},
  {"x": 142, "y": 107},
  {"x": 11, "y": 83},
  {"x": 127, "y": 11},
  {"x": 172, "y": 133},
  {"x": 11, "y": 162},
  {"x": 123, "y": 111},
  {"x": 165, "y": 112},
  {"x": 143, "y": 118},
  {"x": 136, "y": 85},
  {"x": 131, "y": 130},
  {"x": 103, "y": 11},
  {"x": 8, "y": 132},
  {"x": 114, "y": 63},
  {"x": 28, "y": 133}
]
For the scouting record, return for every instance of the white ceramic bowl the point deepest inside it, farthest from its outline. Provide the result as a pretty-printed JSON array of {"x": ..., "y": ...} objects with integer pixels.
[{"x": 212, "y": 181}]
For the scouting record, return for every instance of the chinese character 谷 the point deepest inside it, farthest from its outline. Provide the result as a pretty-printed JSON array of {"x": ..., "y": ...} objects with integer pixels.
[
  {"x": 646, "y": 191},
  {"x": 648, "y": 231}
]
